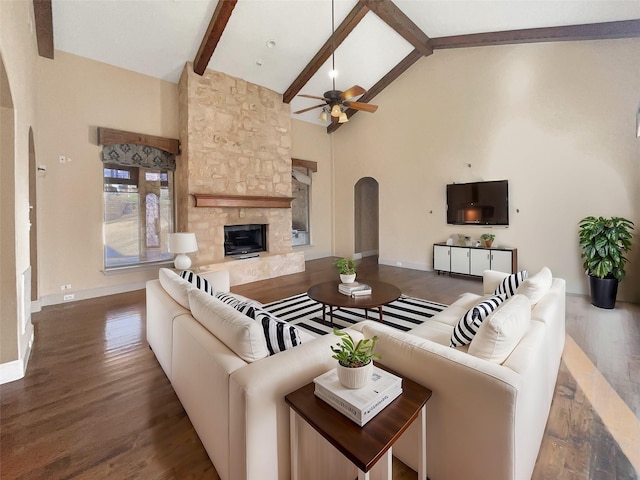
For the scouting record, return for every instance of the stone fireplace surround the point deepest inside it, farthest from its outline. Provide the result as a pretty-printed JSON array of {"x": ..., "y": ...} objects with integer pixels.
[{"x": 236, "y": 140}]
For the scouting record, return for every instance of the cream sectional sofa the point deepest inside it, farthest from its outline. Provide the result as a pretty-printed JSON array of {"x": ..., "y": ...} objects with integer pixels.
[
  {"x": 231, "y": 389},
  {"x": 485, "y": 419}
]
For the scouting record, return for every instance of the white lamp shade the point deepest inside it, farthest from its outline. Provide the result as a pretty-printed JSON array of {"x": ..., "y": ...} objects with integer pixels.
[{"x": 182, "y": 243}]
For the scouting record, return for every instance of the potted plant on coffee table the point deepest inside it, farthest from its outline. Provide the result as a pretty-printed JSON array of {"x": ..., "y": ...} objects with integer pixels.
[
  {"x": 347, "y": 269},
  {"x": 355, "y": 360},
  {"x": 604, "y": 241}
]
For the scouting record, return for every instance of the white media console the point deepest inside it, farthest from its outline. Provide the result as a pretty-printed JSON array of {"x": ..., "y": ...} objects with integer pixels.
[{"x": 473, "y": 260}]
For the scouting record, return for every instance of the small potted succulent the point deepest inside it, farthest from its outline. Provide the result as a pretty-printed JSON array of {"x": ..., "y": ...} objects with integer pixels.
[
  {"x": 347, "y": 269},
  {"x": 487, "y": 238},
  {"x": 355, "y": 360}
]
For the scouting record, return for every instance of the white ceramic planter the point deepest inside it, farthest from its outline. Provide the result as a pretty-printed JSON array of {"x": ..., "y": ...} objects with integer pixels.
[
  {"x": 355, "y": 377},
  {"x": 347, "y": 278}
]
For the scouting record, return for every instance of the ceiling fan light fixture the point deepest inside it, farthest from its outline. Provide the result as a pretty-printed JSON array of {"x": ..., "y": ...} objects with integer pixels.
[
  {"x": 343, "y": 118},
  {"x": 336, "y": 110},
  {"x": 323, "y": 116}
]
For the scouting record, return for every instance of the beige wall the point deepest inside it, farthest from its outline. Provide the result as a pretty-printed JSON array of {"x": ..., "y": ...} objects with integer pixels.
[
  {"x": 18, "y": 53},
  {"x": 555, "y": 119},
  {"x": 76, "y": 95},
  {"x": 311, "y": 142}
]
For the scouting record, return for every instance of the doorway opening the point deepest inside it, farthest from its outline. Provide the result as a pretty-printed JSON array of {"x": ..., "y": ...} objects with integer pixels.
[{"x": 366, "y": 221}]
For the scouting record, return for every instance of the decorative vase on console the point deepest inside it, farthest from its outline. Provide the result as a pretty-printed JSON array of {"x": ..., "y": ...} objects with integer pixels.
[{"x": 355, "y": 360}]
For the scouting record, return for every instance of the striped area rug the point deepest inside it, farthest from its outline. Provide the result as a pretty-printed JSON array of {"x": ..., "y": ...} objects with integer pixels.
[{"x": 403, "y": 314}]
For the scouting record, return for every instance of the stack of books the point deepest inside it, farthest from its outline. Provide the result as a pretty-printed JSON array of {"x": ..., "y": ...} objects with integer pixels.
[
  {"x": 362, "y": 404},
  {"x": 354, "y": 289}
]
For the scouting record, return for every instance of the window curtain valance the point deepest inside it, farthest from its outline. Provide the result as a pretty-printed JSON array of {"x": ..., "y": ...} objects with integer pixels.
[{"x": 130, "y": 155}]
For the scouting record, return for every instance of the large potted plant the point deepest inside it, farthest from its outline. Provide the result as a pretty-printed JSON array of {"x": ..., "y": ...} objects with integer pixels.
[
  {"x": 347, "y": 269},
  {"x": 355, "y": 360},
  {"x": 604, "y": 242}
]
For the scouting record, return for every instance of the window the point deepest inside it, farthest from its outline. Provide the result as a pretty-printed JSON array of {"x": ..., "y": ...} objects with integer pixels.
[
  {"x": 300, "y": 222},
  {"x": 138, "y": 205}
]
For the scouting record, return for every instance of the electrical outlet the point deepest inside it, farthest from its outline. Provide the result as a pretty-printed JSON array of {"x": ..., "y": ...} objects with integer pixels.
[
  {"x": 68, "y": 297},
  {"x": 66, "y": 286}
]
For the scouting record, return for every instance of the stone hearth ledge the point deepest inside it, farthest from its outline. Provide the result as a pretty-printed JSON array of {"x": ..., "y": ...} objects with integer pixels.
[{"x": 263, "y": 267}]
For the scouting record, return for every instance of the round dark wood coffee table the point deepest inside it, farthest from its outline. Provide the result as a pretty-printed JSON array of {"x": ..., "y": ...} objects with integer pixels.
[{"x": 327, "y": 294}]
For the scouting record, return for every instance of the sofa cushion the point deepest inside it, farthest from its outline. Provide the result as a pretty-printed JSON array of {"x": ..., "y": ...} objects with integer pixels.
[
  {"x": 240, "y": 333},
  {"x": 235, "y": 300},
  {"x": 197, "y": 281},
  {"x": 467, "y": 327},
  {"x": 502, "y": 331},
  {"x": 536, "y": 286},
  {"x": 177, "y": 288},
  {"x": 510, "y": 284},
  {"x": 451, "y": 315}
]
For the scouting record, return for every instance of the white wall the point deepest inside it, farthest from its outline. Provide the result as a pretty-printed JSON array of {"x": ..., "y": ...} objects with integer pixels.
[
  {"x": 77, "y": 95},
  {"x": 311, "y": 142},
  {"x": 555, "y": 119}
]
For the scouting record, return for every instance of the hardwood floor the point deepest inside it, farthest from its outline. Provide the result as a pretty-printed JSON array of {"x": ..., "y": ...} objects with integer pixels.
[{"x": 95, "y": 403}]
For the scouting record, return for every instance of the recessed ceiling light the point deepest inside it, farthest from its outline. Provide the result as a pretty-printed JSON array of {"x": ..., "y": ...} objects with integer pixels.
[
  {"x": 271, "y": 43},
  {"x": 259, "y": 62}
]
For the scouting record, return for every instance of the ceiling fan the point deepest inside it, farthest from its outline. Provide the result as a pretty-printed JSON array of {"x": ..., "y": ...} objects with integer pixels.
[{"x": 335, "y": 100}]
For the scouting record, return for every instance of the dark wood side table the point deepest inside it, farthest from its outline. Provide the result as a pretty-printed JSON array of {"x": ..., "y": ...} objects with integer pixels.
[
  {"x": 363, "y": 446},
  {"x": 327, "y": 294}
]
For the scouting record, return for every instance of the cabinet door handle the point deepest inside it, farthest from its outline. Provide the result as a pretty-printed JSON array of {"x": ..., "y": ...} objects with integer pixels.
[{"x": 492, "y": 256}]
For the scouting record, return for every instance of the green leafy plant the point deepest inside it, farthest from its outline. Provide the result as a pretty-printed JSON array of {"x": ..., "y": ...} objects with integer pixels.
[
  {"x": 604, "y": 241},
  {"x": 345, "y": 266},
  {"x": 487, "y": 236},
  {"x": 351, "y": 354}
]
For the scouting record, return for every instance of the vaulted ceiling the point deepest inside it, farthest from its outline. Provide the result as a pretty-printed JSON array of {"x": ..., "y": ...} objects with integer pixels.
[{"x": 286, "y": 45}]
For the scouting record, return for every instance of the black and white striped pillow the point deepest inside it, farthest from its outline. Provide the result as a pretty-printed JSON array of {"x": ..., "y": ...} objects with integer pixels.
[
  {"x": 228, "y": 298},
  {"x": 468, "y": 325},
  {"x": 280, "y": 336},
  {"x": 198, "y": 282},
  {"x": 510, "y": 284}
]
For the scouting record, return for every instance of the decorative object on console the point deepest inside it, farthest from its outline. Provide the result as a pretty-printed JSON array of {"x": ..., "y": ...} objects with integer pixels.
[
  {"x": 182, "y": 243},
  {"x": 355, "y": 360},
  {"x": 604, "y": 242},
  {"x": 347, "y": 269},
  {"x": 488, "y": 239}
]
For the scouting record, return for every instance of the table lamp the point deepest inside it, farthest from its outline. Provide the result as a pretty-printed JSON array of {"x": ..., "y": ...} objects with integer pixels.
[{"x": 182, "y": 243}]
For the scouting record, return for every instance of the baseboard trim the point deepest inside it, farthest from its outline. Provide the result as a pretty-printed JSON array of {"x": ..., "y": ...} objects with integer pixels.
[
  {"x": 16, "y": 369},
  {"x": 410, "y": 265},
  {"x": 58, "y": 298}
]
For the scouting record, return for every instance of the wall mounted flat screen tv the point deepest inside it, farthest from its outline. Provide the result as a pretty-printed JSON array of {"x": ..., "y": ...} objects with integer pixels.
[{"x": 478, "y": 203}]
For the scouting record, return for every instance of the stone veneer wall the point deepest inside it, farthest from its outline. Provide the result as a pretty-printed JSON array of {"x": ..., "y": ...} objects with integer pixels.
[{"x": 236, "y": 140}]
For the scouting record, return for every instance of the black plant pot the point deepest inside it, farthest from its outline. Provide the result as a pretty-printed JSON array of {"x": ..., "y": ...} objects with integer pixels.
[{"x": 603, "y": 291}]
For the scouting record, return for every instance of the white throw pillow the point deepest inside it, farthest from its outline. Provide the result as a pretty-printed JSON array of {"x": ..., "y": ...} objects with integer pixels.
[
  {"x": 240, "y": 333},
  {"x": 536, "y": 286},
  {"x": 177, "y": 288},
  {"x": 502, "y": 331}
]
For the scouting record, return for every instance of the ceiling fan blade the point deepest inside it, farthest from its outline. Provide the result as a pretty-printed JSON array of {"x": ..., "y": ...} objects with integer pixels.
[
  {"x": 354, "y": 91},
  {"x": 312, "y": 96},
  {"x": 365, "y": 107},
  {"x": 310, "y": 108}
]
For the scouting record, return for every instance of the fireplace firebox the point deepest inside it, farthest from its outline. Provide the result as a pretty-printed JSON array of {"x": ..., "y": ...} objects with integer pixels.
[{"x": 244, "y": 239}]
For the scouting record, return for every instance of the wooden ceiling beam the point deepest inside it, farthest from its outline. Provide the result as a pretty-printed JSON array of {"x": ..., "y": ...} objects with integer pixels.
[
  {"x": 218, "y": 23},
  {"x": 383, "y": 83},
  {"x": 403, "y": 25},
  {"x": 354, "y": 17},
  {"x": 590, "y": 31},
  {"x": 43, "y": 17}
]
